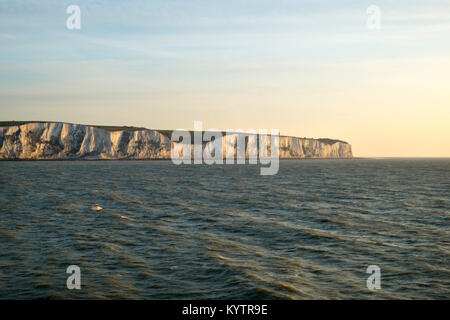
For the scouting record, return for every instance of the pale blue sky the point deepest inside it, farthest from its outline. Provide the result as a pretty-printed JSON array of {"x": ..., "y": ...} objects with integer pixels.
[{"x": 309, "y": 68}]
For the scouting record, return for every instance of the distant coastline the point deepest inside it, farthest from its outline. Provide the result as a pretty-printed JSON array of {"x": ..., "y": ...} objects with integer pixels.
[{"x": 41, "y": 140}]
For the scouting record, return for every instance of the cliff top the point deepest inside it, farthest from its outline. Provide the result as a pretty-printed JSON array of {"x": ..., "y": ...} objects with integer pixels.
[{"x": 167, "y": 133}]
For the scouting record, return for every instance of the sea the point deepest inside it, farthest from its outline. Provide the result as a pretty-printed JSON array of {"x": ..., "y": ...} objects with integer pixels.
[{"x": 315, "y": 230}]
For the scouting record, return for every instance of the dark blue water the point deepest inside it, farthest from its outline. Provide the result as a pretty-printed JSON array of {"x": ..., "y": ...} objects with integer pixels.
[{"x": 213, "y": 232}]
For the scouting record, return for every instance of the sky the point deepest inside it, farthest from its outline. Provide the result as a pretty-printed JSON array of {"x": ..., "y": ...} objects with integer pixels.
[{"x": 309, "y": 68}]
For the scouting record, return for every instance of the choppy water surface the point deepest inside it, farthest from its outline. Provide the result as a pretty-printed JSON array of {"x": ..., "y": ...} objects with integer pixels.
[{"x": 212, "y": 232}]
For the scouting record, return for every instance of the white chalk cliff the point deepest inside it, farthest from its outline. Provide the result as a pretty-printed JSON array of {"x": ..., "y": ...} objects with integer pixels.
[{"x": 55, "y": 140}]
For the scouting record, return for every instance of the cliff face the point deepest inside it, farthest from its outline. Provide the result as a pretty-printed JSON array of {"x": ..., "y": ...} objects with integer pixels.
[
  {"x": 51, "y": 140},
  {"x": 291, "y": 147}
]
